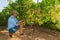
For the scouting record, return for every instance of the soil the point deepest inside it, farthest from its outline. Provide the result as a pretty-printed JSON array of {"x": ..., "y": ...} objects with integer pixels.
[{"x": 37, "y": 34}]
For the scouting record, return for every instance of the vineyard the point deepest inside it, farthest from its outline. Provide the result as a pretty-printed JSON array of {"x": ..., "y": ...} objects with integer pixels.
[{"x": 44, "y": 14}]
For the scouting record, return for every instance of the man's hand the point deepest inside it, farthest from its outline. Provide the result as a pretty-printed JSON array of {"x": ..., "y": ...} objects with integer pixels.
[{"x": 21, "y": 22}]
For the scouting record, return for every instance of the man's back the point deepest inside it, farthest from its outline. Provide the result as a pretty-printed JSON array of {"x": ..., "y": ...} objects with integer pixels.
[{"x": 12, "y": 22}]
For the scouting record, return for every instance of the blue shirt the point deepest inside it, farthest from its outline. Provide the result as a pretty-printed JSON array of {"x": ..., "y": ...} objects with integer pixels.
[{"x": 12, "y": 22}]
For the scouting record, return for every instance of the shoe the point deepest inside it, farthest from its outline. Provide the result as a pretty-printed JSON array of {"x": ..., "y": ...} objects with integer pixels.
[{"x": 10, "y": 36}]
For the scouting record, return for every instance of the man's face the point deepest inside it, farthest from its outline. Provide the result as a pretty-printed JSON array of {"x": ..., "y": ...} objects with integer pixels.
[{"x": 15, "y": 14}]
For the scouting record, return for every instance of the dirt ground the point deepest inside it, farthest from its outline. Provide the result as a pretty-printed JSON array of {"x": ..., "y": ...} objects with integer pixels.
[{"x": 30, "y": 35}]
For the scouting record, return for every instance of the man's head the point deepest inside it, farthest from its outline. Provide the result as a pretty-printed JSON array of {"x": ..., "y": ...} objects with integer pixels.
[{"x": 15, "y": 13}]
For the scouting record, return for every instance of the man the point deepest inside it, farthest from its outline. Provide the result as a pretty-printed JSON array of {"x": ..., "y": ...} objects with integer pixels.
[{"x": 13, "y": 24}]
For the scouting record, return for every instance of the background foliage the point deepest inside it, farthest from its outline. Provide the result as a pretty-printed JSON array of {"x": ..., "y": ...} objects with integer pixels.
[{"x": 46, "y": 13}]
